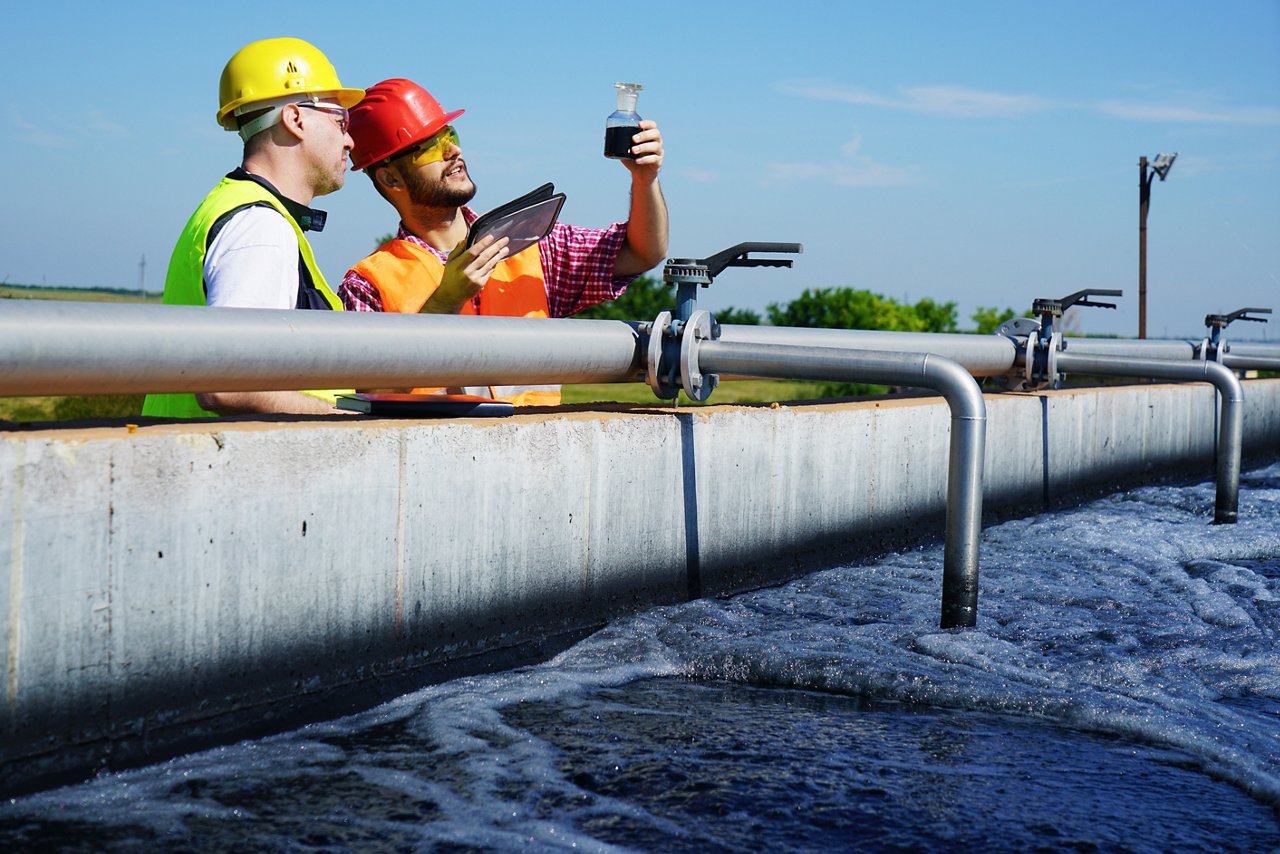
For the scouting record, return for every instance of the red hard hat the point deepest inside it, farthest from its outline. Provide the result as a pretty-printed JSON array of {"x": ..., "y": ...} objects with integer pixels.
[{"x": 394, "y": 115}]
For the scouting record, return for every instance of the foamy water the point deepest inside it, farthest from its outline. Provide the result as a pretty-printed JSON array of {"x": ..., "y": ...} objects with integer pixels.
[{"x": 1121, "y": 690}]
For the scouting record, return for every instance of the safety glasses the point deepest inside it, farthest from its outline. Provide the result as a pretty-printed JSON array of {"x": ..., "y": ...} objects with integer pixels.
[
  {"x": 340, "y": 113},
  {"x": 435, "y": 148}
]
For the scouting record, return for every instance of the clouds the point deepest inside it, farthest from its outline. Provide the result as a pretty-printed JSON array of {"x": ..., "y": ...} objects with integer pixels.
[
  {"x": 37, "y": 136},
  {"x": 852, "y": 169},
  {"x": 961, "y": 102},
  {"x": 953, "y": 101},
  {"x": 1167, "y": 113},
  {"x": 67, "y": 132}
]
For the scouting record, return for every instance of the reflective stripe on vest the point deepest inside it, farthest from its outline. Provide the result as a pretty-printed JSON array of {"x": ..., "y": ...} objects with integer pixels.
[
  {"x": 184, "y": 282},
  {"x": 406, "y": 275}
]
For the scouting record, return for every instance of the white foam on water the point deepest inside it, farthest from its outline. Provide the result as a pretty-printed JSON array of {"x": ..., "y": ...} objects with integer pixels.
[{"x": 1131, "y": 616}]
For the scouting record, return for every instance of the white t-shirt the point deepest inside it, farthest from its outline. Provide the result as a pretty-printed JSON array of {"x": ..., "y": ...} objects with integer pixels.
[{"x": 253, "y": 261}]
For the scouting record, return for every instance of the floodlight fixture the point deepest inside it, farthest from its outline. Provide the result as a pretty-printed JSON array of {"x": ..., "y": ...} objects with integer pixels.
[{"x": 1163, "y": 163}]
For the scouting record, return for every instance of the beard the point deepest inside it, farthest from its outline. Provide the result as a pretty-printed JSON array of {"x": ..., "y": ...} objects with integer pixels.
[
  {"x": 329, "y": 183},
  {"x": 434, "y": 193}
]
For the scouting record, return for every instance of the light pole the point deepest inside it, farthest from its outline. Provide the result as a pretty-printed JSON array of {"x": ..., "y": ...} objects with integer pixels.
[{"x": 1163, "y": 163}]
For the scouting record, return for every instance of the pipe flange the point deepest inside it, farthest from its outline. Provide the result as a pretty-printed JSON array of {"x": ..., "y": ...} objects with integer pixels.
[
  {"x": 1052, "y": 379},
  {"x": 1019, "y": 327},
  {"x": 1029, "y": 364},
  {"x": 1023, "y": 332},
  {"x": 658, "y": 332},
  {"x": 700, "y": 327},
  {"x": 1040, "y": 366}
]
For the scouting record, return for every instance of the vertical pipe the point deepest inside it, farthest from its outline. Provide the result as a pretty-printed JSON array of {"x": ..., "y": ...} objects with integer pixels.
[
  {"x": 964, "y": 493},
  {"x": 1230, "y": 442},
  {"x": 917, "y": 370},
  {"x": 1231, "y": 423}
]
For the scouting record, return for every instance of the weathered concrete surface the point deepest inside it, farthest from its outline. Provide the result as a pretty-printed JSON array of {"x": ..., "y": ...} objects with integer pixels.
[{"x": 171, "y": 585}]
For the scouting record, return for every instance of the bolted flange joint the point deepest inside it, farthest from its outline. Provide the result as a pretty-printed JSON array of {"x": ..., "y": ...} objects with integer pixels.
[{"x": 673, "y": 356}]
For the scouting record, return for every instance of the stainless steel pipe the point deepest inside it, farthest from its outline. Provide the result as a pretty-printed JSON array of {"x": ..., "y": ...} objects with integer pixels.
[
  {"x": 980, "y": 355},
  {"x": 1253, "y": 349},
  {"x": 1184, "y": 351},
  {"x": 1241, "y": 356},
  {"x": 917, "y": 370},
  {"x": 1231, "y": 421},
  {"x": 55, "y": 348},
  {"x": 1251, "y": 363}
]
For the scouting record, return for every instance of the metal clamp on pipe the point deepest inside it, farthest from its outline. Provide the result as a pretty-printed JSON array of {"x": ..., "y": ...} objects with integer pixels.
[
  {"x": 1212, "y": 348},
  {"x": 1039, "y": 342},
  {"x": 674, "y": 338}
]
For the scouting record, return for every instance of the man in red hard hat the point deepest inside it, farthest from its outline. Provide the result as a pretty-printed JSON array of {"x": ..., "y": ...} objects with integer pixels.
[{"x": 405, "y": 143}]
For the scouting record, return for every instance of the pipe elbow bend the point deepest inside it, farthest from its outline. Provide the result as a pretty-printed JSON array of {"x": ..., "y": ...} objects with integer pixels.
[
  {"x": 957, "y": 385},
  {"x": 1225, "y": 380}
]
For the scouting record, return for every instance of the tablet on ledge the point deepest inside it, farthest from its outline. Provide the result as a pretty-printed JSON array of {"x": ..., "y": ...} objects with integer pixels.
[{"x": 431, "y": 405}]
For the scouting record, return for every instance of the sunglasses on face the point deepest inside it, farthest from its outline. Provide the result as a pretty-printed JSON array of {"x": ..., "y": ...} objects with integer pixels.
[
  {"x": 435, "y": 148},
  {"x": 340, "y": 113}
]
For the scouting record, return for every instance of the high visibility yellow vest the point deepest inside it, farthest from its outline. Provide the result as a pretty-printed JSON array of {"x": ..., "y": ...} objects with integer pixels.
[
  {"x": 184, "y": 282},
  {"x": 406, "y": 275}
]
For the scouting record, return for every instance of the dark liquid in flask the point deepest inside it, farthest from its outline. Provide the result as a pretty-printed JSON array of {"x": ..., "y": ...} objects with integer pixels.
[{"x": 617, "y": 142}]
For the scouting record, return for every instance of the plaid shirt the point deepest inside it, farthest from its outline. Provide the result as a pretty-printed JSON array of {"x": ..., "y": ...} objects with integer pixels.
[{"x": 577, "y": 267}]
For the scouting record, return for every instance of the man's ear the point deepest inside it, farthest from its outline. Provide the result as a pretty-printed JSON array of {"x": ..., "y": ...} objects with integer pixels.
[
  {"x": 291, "y": 119},
  {"x": 387, "y": 178}
]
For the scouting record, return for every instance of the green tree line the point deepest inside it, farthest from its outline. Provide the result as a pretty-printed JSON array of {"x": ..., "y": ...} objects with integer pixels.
[{"x": 830, "y": 308}]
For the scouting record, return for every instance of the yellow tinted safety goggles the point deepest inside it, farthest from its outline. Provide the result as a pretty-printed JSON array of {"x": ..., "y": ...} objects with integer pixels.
[{"x": 435, "y": 148}]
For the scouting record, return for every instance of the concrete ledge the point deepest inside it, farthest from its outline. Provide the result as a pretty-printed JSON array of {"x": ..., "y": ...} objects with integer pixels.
[{"x": 177, "y": 584}]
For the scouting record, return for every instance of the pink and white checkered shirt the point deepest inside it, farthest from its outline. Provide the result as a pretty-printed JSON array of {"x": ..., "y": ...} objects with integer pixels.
[{"x": 577, "y": 267}]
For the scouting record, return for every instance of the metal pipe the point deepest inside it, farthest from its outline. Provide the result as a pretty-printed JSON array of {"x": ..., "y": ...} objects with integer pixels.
[
  {"x": 1250, "y": 363},
  {"x": 1231, "y": 422},
  {"x": 55, "y": 348},
  {"x": 985, "y": 355},
  {"x": 980, "y": 355},
  {"x": 1148, "y": 349},
  {"x": 1260, "y": 349},
  {"x": 917, "y": 370}
]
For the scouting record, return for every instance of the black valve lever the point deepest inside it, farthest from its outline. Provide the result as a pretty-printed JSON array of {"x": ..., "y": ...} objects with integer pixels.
[
  {"x": 1057, "y": 307},
  {"x": 736, "y": 256},
  {"x": 1222, "y": 321}
]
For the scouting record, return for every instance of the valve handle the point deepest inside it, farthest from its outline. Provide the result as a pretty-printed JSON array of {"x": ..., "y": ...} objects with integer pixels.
[
  {"x": 736, "y": 256},
  {"x": 1057, "y": 306},
  {"x": 1222, "y": 321}
]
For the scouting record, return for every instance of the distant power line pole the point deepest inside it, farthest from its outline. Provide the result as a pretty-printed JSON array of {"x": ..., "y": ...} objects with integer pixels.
[{"x": 142, "y": 276}]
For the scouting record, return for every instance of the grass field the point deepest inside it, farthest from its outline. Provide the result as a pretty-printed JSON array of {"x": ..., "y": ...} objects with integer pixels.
[{"x": 76, "y": 294}]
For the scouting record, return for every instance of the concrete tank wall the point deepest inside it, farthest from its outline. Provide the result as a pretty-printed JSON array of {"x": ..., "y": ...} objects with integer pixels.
[{"x": 167, "y": 586}]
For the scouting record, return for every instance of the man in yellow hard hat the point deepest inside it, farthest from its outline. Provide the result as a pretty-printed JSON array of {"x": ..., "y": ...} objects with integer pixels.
[
  {"x": 406, "y": 144},
  {"x": 245, "y": 245}
]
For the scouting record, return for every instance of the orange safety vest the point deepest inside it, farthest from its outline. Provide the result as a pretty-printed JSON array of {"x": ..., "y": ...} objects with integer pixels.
[{"x": 406, "y": 275}]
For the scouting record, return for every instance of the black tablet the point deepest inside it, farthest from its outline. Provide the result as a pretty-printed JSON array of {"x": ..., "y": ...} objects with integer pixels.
[
  {"x": 523, "y": 221},
  {"x": 425, "y": 405}
]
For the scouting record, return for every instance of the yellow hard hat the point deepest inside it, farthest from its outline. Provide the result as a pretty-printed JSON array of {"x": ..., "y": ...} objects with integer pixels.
[{"x": 271, "y": 69}]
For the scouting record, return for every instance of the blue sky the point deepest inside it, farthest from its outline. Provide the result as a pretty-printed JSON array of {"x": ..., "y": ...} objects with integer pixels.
[{"x": 981, "y": 152}]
